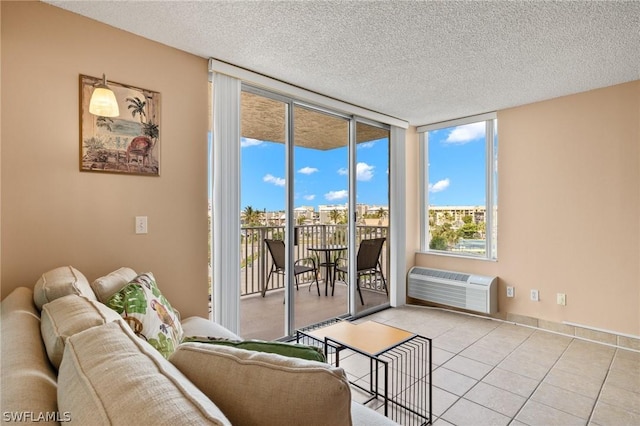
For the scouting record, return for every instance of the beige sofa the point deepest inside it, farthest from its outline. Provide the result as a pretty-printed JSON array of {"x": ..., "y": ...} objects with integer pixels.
[{"x": 67, "y": 357}]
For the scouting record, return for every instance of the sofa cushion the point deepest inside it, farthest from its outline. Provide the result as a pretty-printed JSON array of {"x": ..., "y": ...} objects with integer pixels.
[
  {"x": 107, "y": 286},
  {"x": 295, "y": 350},
  {"x": 148, "y": 313},
  {"x": 110, "y": 376},
  {"x": 198, "y": 326},
  {"x": 283, "y": 390},
  {"x": 61, "y": 282},
  {"x": 67, "y": 316},
  {"x": 28, "y": 380}
]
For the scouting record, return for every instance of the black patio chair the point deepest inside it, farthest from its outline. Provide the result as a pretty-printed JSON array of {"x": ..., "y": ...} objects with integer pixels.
[
  {"x": 277, "y": 250},
  {"x": 367, "y": 263}
]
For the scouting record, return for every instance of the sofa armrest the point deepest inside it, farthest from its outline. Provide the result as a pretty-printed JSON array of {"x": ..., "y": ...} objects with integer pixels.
[
  {"x": 108, "y": 375},
  {"x": 28, "y": 379}
]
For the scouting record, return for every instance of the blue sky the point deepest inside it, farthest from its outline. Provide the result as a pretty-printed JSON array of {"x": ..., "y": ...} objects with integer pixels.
[
  {"x": 320, "y": 176},
  {"x": 457, "y": 165},
  {"x": 456, "y": 172}
]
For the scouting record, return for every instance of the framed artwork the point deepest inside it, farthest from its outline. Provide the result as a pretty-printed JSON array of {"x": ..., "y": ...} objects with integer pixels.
[{"x": 128, "y": 143}]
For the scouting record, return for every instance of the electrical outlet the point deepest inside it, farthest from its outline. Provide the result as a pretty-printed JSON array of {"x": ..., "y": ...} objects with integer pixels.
[
  {"x": 562, "y": 299},
  {"x": 141, "y": 224},
  {"x": 511, "y": 292},
  {"x": 535, "y": 296}
]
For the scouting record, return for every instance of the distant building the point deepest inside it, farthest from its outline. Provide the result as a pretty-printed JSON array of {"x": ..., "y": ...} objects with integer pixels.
[
  {"x": 454, "y": 214},
  {"x": 325, "y": 210},
  {"x": 366, "y": 214},
  {"x": 308, "y": 212}
]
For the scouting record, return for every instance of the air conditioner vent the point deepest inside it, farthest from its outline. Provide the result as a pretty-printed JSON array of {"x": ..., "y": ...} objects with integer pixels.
[
  {"x": 458, "y": 289},
  {"x": 447, "y": 275}
]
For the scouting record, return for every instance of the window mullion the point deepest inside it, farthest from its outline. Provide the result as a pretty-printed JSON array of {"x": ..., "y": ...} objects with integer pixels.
[
  {"x": 488, "y": 215},
  {"x": 424, "y": 193}
]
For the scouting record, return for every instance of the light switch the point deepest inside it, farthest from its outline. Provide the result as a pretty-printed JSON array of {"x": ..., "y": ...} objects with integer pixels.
[{"x": 141, "y": 224}]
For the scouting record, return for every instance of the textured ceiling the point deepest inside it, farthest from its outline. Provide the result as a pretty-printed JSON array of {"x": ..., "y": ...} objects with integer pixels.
[{"x": 423, "y": 62}]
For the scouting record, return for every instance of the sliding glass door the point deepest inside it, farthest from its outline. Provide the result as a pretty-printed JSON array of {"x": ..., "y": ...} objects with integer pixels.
[
  {"x": 314, "y": 185},
  {"x": 263, "y": 201},
  {"x": 320, "y": 201}
]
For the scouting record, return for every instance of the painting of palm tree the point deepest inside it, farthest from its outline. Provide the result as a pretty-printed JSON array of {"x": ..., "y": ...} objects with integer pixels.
[{"x": 128, "y": 143}]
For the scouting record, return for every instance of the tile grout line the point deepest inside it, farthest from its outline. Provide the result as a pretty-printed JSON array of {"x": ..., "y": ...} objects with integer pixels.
[
  {"x": 497, "y": 366},
  {"x": 593, "y": 409},
  {"x": 478, "y": 381},
  {"x": 595, "y": 401},
  {"x": 540, "y": 382}
]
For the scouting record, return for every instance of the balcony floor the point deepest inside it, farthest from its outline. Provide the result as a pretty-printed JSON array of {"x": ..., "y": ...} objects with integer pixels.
[{"x": 263, "y": 317}]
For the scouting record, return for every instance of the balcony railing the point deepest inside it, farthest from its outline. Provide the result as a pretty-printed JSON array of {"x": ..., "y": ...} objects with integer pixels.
[{"x": 255, "y": 260}]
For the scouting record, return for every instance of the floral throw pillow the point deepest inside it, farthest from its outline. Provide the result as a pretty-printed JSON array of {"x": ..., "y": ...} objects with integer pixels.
[{"x": 148, "y": 313}]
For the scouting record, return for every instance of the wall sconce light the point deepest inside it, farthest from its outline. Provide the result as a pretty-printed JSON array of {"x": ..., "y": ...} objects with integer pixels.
[{"x": 103, "y": 100}]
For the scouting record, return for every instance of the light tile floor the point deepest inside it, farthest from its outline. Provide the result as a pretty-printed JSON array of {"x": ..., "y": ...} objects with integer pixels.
[{"x": 490, "y": 372}]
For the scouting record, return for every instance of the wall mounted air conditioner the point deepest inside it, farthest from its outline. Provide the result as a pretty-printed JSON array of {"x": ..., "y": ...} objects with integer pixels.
[{"x": 457, "y": 289}]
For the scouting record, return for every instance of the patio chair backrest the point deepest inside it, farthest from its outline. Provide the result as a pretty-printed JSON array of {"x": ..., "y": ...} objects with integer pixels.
[
  {"x": 368, "y": 253},
  {"x": 276, "y": 248}
]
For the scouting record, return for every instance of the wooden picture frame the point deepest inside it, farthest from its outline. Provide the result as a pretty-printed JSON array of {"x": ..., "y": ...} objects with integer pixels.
[{"x": 126, "y": 144}]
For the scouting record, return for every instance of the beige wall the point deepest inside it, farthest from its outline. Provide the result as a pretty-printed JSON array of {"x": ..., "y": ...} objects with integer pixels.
[
  {"x": 54, "y": 215},
  {"x": 569, "y": 210}
]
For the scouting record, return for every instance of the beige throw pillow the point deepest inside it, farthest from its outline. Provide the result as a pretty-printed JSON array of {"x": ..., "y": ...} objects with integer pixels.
[
  {"x": 60, "y": 282},
  {"x": 107, "y": 286},
  {"x": 283, "y": 390},
  {"x": 67, "y": 316}
]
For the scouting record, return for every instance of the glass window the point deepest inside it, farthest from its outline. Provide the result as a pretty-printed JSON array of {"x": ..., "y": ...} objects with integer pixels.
[{"x": 460, "y": 190}]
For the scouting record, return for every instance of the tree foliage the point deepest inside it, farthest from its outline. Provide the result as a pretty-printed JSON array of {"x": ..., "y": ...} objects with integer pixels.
[{"x": 252, "y": 217}]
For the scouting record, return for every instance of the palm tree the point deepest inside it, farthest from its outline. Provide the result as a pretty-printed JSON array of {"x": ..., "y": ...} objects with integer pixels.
[
  {"x": 252, "y": 217},
  {"x": 301, "y": 219},
  {"x": 335, "y": 216},
  {"x": 137, "y": 106},
  {"x": 382, "y": 213},
  {"x": 105, "y": 122},
  {"x": 151, "y": 129}
]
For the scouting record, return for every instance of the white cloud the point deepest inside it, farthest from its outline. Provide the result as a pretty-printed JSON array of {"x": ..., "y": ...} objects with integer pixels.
[
  {"x": 336, "y": 195},
  {"x": 307, "y": 170},
  {"x": 274, "y": 180},
  {"x": 309, "y": 197},
  {"x": 366, "y": 145},
  {"x": 440, "y": 185},
  {"x": 467, "y": 133},
  {"x": 246, "y": 142},
  {"x": 364, "y": 171}
]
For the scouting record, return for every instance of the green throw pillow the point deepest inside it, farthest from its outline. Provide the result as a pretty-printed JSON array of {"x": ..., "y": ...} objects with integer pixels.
[
  {"x": 148, "y": 313},
  {"x": 293, "y": 350}
]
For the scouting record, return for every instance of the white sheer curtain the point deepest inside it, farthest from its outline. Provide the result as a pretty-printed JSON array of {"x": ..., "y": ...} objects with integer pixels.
[
  {"x": 397, "y": 225},
  {"x": 226, "y": 201}
]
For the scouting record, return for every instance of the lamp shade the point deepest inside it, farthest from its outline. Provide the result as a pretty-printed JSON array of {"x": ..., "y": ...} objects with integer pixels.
[{"x": 103, "y": 101}]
